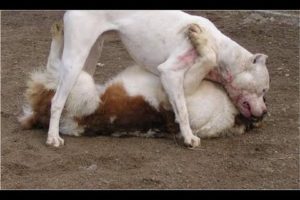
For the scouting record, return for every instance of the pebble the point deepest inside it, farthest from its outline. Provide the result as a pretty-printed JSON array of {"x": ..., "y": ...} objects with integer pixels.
[
  {"x": 100, "y": 64},
  {"x": 269, "y": 169},
  {"x": 92, "y": 167}
]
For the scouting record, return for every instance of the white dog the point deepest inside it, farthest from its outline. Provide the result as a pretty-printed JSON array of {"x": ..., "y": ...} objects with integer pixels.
[
  {"x": 123, "y": 106},
  {"x": 157, "y": 41}
]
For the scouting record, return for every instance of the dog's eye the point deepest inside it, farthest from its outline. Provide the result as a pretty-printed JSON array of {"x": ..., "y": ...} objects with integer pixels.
[{"x": 264, "y": 91}]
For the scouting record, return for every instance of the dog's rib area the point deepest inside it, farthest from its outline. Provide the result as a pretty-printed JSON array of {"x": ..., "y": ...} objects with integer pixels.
[{"x": 130, "y": 113}]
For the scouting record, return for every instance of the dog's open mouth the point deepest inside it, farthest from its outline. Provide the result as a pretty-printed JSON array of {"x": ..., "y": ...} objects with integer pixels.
[
  {"x": 254, "y": 119},
  {"x": 249, "y": 123}
]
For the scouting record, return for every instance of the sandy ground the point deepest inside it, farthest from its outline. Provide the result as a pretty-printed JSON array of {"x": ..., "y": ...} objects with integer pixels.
[{"x": 265, "y": 158}]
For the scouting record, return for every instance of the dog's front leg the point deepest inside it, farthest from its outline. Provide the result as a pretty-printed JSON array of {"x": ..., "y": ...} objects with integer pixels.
[{"x": 172, "y": 78}]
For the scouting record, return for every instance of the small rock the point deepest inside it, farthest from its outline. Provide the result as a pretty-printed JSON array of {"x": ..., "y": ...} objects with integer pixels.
[
  {"x": 100, "y": 64},
  {"x": 92, "y": 167},
  {"x": 269, "y": 169}
]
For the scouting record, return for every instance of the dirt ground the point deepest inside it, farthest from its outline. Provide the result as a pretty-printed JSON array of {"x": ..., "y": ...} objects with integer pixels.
[{"x": 266, "y": 158}]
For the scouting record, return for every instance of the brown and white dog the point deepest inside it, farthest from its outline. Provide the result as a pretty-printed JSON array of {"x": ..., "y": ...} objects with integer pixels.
[{"x": 132, "y": 101}]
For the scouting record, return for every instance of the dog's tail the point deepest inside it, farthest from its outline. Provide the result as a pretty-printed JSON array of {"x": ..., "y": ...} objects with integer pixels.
[
  {"x": 54, "y": 58},
  {"x": 42, "y": 83}
]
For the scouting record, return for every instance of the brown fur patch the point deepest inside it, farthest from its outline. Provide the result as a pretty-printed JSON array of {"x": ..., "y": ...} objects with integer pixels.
[
  {"x": 39, "y": 98},
  {"x": 130, "y": 113},
  {"x": 28, "y": 122}
]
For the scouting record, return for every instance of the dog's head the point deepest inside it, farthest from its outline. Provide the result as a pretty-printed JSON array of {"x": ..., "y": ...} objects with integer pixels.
[{"x": 249, "y": 87}]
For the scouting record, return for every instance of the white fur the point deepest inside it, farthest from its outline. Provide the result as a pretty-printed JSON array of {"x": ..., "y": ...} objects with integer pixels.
[
  {"x": 112, "y": 119},
  {"x": 26, "y": 112},
  {"x": 210, "y": 109},
  {"x": 83, "y": 99}
]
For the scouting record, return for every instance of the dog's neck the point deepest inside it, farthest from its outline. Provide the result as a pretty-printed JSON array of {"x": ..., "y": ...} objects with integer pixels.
[
  {"x": 232, "y": 60},
  {"x": 225, "y": 78}
]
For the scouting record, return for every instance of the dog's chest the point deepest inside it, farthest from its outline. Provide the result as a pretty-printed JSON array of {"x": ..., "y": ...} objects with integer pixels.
[{"x": 149, "y": 50}]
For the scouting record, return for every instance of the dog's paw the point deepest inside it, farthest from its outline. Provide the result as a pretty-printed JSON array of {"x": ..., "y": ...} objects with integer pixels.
[
  {"x": 192, "y": 141},
  {"x": 197, "y": 37},
  {"x": 200, "y": 40},
  {"x": 195, "y": 30},
  {"x": 55, "y": 141}
]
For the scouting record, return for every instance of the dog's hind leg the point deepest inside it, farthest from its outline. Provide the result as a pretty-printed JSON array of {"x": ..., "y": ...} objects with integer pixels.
[
  {"x": 57, "y": 31},
  {"x": 80, "y": 33},
  {"x": 56, "y": 48}
]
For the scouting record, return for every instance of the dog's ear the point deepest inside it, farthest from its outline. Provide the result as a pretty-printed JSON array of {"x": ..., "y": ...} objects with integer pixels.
[{"x": 259, "y": 58}]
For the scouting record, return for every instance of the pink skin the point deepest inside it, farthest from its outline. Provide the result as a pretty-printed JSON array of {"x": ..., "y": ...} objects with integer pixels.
[
  {"x": 248, "y": 104},
  {"x": 253, "y": 104},
  {"x": 187, "y": 59},
  {"x": 243, "y": 106}
]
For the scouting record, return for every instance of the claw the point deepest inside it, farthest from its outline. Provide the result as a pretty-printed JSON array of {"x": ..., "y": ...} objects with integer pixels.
[
  {"x": 192, "y": 142},
  {"x": 55, "y": 141}
]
